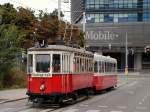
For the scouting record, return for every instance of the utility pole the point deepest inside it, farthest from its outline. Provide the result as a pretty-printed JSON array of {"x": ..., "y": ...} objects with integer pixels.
[{"x": 126, "y": 57}]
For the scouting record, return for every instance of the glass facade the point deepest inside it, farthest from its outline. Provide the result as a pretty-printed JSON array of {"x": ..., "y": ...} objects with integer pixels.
[
  {"x": 117, "y": 11},
  {"x": 146, "y": 10}
]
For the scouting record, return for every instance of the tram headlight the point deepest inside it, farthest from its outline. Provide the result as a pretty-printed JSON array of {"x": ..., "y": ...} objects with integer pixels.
[{"x": 42, "y": 87}]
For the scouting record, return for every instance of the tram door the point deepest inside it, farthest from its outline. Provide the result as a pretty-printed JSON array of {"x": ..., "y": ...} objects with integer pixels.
[{"x": 66, "y": 70}]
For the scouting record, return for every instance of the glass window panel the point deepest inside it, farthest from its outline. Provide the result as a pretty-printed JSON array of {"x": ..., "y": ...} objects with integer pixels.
[
  {"x": 97, "y": 1},
  {"x": 96, "y": 6},
  {"x": 42, "y": 63},
  {"x": 30, "y": 63},
  {"x": 56, "y": 63}
]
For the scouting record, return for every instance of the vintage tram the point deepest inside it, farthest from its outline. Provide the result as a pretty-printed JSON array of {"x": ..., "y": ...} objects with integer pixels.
[
  {"x": 59, "y": 72},
  {"x": 105, "y": 72}
]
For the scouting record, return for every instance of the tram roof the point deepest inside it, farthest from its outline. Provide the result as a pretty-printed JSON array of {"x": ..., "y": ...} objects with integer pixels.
[
  {"x": 60, "y": 48},
  {"x": 99, "y": 57}
]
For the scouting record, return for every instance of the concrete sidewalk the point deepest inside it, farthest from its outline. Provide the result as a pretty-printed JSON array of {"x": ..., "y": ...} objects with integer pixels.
[{"x": 12, "y": 95}]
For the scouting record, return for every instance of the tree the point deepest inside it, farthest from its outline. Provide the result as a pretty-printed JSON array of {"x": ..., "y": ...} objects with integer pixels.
[
  {"x": 8, "y": 13},
  {"x": 20, "y": 29},
  {"x": 48, "y": 27},
  {"x": 27, "y": 23},
  {"x": 9, "y": 47}
]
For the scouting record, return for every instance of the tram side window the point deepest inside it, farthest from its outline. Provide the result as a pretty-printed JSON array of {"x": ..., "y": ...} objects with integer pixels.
[
  {"x": 91, "y": 65},
  {"x": 113, "y": 67},
  {"x": 87, "y": 65},
  {"x": 77, "y": 64},
  {"x": 42, "y": 63},
  {"x": 56, "y": 63},
  {"x": 82, "y": 64},
  {"x": 66, "y": 63},
  {"x": 109, "y": 67},
  {"x": 106, "y": 67},
  {"x": 100, "y": 67},
  {"x": 95, "y": 67},
  {"x": 30, "y": 63}
]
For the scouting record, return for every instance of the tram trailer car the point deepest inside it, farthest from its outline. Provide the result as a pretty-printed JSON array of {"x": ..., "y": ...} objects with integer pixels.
[
  {"x": 58, "y": 72},
  {"x": 105, "y": 72}
]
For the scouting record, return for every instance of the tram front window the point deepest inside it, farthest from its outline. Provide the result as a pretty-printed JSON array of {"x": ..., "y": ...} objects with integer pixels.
[
  {"x": 42, "y": 63},
  {"x": 56, "y": 63}
]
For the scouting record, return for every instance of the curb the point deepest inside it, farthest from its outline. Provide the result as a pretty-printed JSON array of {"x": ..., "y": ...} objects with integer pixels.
[{"x": 7, "y": 101}]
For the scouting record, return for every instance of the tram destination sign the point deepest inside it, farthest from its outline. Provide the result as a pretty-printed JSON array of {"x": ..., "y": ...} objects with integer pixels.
[{"x": 41, "y": 75}]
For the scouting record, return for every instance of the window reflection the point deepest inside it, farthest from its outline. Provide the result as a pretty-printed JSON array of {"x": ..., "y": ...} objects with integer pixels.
[
  {"x": 56, "y": 63},
  {"x": 42, "y": 63},
  {"x": 103, "y": 11}
]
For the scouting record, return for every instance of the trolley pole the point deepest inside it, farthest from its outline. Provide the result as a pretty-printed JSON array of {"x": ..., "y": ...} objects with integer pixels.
[{"x": 126, "y": 57}]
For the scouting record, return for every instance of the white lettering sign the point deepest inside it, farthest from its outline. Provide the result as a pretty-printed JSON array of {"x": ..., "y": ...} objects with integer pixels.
[{"x": 106, "y": 35}]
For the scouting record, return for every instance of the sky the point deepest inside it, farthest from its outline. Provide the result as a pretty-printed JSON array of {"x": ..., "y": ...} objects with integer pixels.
[{"x": 45, "y": 5}]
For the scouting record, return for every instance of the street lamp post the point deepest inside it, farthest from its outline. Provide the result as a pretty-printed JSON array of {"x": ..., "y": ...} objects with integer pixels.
[
  {"x": 59, "y": 9},
  {"x": 84, "y": 21},
  {"x": 126, "y": 57}
]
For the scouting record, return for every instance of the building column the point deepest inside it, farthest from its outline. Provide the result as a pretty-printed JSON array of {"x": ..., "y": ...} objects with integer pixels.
[{"x": 138, "y": 61}]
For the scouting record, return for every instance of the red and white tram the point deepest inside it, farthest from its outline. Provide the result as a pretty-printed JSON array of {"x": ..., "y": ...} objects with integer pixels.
[
  {"x": 105, "y": 75},
  {"x": 59, "y": 72}
]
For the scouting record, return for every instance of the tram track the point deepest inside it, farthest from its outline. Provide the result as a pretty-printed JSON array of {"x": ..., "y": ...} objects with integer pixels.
[{"x": 46, "y": 107}]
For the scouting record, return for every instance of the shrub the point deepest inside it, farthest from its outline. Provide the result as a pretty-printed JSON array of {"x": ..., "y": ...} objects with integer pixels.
[
  {"x": 19, "y": 77},
  {"x": 15, "y": 79}
]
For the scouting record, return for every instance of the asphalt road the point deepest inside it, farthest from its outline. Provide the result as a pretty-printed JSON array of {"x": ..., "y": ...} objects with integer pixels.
[{"x": 133, "y": 96}]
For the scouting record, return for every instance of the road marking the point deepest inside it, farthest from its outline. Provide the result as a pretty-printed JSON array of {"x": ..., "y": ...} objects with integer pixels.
[
  {"x": 116, "y": 111},
  {"x": 131, "y": 92},
  {"x": 46, "y": 110},
  {"x": 101, "y": 106},
  {"x": 28, "y": 110},
  {"x": 5, "y": 109},
  {"x": 132, "y": 84},
  {"x": 121, "y": 107},
  {"x": 143, "y": 99},
  {"x": 84, "y": 105},
  {"x": 93, "y": 111},
  {"x": 141, "y": 108},
  {"x": 140, "y": 103},
  {"x": 71, "y": 110}
]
